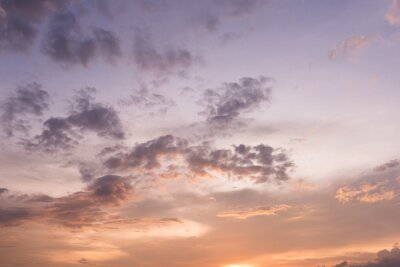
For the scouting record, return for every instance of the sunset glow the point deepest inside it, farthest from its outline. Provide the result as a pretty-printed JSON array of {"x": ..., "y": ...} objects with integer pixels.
[{"x": 199, "y": 133}]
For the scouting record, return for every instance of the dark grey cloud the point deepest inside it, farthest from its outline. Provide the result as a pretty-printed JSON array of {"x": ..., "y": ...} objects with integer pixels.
[
  {"x": 225, "y": 104},
  {"x": 3, "y": 190},
  {"x": 385, "y": 258},
  {"x": 85, "y": 115},
  {"x": 108, "y": 44},
  {"x": 19, "y": 20},
  {"x": 15, "y": 216},
  {"x": 27, "y": 100},
  {"x": 259, "y": 163},
  {"x": 388, "y": 165},
  {"x": 66, "y": 41},
  {"x": 148, "y": 57},
  {"x": 111, "y": 189}
]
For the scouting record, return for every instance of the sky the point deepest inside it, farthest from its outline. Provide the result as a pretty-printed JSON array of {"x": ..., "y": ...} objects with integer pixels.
[{"x": 212, "y": 133}]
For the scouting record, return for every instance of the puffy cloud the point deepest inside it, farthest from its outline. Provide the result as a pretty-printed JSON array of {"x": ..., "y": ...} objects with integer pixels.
[
  {"x": 259, "y": 211},
  {"x": 65, "y": 41},
  {"x": 259, "y": 163},
  {"x": 27, "y": 100},
  {"x": 352, "y": 46},
  {"x": 393, "y": 14},
  {"x": 85, "y": 115},
  {"x": 228, "y": 102},
  {"x": 111, "y": 189},
  {"x": 149, "y": 58}
]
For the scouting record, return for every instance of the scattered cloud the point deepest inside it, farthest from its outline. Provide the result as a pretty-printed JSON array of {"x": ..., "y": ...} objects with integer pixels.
[
  {"x": 85, "y": 115},
  {"x": 259, "y": 163},
  {"x": 224, "y": 105}
]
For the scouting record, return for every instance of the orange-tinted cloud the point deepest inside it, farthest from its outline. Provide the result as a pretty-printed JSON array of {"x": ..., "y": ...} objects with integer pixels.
[
  {"x": 259, "y": 211},
  {"x": 352, "y": 46}
]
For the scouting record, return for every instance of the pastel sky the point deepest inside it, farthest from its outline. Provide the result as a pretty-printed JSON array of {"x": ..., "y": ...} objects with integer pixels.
[{"x": 209, "y": 133}]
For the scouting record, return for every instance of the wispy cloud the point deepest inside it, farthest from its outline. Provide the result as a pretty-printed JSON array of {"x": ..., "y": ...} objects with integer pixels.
[
  {"x": 393, "y": 14},
  {"x": 258, "y": 211},
  {"x": 352, "y": 46}
]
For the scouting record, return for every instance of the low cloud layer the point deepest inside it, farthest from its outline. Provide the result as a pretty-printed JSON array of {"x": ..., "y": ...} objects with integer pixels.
[{"x": 385, "y": 258}]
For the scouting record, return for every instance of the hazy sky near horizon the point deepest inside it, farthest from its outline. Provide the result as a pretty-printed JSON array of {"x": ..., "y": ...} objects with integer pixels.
[{"x": 212, "y": 133}]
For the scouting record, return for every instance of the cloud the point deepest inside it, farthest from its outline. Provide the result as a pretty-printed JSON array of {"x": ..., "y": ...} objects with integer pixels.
[
  {"x": 393, "y": 14},
  {"x": 221, "y": 10},
  {"x": 27, "y": 100},
  {"x": 148, "y": 57},
  {"x": 65, "y": 41},
  {"x": 259, "y": 163},
  {"x": 15, "y": 216},
  {"x": 367, "y": 193},
  {"x": 85, "y": 115},
  {"x": 19, "y": 21},
  {"x": 225, "y": 104},
  {"x": 89, "y": 208},
  {"x": 385, "y": 258},
  {"x": 352, "y": 46},
  {"x": 378, "y": 185},
  {"x": 237, "y": 8},
  {"x": 147, "y": 100},
  {"x": 259, "y": 211},
  {"x": 388, "y": 165},
  {"x": 3, "y": 190}
]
